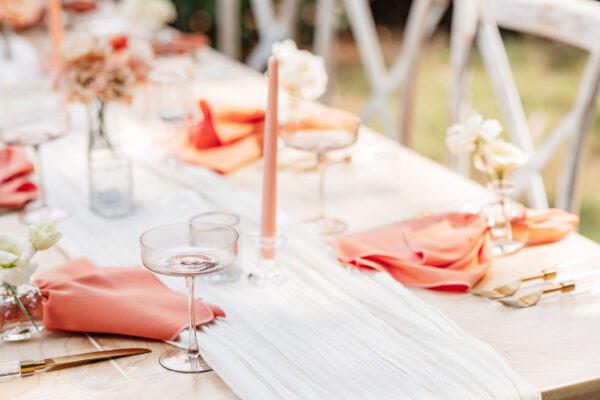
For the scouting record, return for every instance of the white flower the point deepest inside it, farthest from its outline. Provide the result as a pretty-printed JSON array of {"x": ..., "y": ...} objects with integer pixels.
[
  {"x": 15, "y": 251},
  {"x": 300, "y": 72},
  {"x": 153, "y": 13},
  {"x": 464, "y": 138},
  {"x": 18, "y": 276},
  {"x": 43, "y": 235},
  {"x": 500, "y": 157}
]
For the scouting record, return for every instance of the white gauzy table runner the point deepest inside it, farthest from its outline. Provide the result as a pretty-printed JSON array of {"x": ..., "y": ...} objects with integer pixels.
[{"x": 327, "y": 333}]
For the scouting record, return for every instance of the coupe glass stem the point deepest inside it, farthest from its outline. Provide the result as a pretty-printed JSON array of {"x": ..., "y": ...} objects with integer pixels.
[
  {"x": 38, "y": 168},
  {"x": 193, "y": 346},
  {"x": 321, "y": 164}
]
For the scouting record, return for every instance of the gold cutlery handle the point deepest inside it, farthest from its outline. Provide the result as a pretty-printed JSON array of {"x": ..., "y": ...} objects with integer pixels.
[
  {"x": 566, "y": 286},
  {"x": 544, "y": 274}
]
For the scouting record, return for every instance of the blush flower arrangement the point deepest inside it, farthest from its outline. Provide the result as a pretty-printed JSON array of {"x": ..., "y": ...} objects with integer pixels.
[{"x": 100, "y": 68}]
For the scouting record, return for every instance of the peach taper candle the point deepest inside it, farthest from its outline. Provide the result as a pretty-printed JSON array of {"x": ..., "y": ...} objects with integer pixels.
[{"x": 268, "y": 227}]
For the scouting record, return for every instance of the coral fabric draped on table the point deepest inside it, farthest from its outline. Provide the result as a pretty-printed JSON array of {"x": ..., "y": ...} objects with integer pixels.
[
  {"x": 544, "y": 226},
  {"x": 122, "y": 300},
  {"x": 445, "y": 252},
  {"x": 225, "y": 139},
  {"x": 15, "y": 188}
]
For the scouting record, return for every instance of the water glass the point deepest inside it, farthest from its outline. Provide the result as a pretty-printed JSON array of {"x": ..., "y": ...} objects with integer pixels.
[{"x": 232, "y": 220}]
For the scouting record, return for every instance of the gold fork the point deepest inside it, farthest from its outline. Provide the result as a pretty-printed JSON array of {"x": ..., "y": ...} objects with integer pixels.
[
  {"x": 533, "y": 298},
  {"x": 511, "y": 288}
]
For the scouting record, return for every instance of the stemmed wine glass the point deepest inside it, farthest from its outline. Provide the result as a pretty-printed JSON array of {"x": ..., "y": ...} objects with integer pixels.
[
  {"x": 32, "y": 118},
  {"x": 169, "y": 104},
  {"x": 320, "y": 130},
  {"x": 188, "y": 249}
]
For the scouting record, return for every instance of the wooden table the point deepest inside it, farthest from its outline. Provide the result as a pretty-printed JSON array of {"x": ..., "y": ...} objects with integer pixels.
[{"x": 552, "y": 345}]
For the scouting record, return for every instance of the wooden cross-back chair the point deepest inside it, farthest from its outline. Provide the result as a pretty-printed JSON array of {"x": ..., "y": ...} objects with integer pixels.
[
  {"x": 423, "y": 18},
  {"x": 274, "y": 26},
  {"x": 575, "y": 22}
]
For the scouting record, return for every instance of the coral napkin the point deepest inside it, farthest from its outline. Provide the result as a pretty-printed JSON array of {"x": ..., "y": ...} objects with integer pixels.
[
  {"x": 225, "y": 139},
  {"x": 449, "y": 252},
  {"x": 122, "y": 300},
  {"x": 15, "y": 189},
  {"x": 544, "y": 226}
]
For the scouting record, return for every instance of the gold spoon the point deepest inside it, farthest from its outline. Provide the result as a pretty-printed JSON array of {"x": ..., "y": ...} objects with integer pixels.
[
  {"x": 511, "y": 288},
  {"x": 533, "y": 298}
]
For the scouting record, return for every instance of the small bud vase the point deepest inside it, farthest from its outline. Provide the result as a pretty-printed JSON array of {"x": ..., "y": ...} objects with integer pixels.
[
  {"x": 499, "y": 215},
  {"x": 20, "y": 311}
]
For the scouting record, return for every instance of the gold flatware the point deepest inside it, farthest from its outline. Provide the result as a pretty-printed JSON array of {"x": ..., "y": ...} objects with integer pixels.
[
  {"x": 13, "y": 369},
  {"x": 511, "y": 288},
  {"x": 533, "y": 298}
]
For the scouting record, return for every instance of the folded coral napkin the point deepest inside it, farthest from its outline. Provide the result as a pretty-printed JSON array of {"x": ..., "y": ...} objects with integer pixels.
[
  {"x": 122, "y": 300},
  {"x": 544, "y": 226},
  {"x": 226, "y": 138},
  {"x": 449, "y": 252},
  {"x": 181, "y": 44},
  {"x": 15, "y": 189}
]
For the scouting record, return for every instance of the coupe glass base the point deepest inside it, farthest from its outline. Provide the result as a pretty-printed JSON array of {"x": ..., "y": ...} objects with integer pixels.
[
  {"x": 229, "y": 275},
  {"x": 503, "y": 248},
  {"x": 324, "y": 226},
  {"x": 273, "y": 278},
  {"x": 182, "y": 361},
  {"x": 34, "y": 213}
]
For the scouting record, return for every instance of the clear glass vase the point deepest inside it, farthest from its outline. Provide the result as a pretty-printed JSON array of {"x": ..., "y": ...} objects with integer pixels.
[
  {"x": 499, "y": 215},
  {"x": 109, "y": 171},
  {"x": 15, "y": 324}
]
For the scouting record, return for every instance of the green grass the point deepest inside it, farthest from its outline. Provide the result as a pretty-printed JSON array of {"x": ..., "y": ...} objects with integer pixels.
[{"x": 547, "y": 75}]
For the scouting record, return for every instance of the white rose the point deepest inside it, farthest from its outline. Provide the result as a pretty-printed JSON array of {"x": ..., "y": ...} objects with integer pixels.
[
  {"x": 15, "y": 251},
  {"x": 463, "y": 138},
  {"x": 43, "y": 235},
  {"x": 502, "y": 157},
  {"x": 300, "y": 72},
  {"x": 18, "y": 276},
  {"x": 489, "y": 130},
  {"x": 154, "y": 13}
]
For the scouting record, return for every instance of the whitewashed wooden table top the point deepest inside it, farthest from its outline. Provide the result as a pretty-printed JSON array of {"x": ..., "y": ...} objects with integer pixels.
[{"x": 551, "y": 345}]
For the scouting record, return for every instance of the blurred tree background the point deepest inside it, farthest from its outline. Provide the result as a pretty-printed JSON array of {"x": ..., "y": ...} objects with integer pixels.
[{"x": 547, "y": 75}]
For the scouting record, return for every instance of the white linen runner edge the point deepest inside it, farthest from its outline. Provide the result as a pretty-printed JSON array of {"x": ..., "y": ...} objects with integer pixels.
[{"x": 327, "y": 333}]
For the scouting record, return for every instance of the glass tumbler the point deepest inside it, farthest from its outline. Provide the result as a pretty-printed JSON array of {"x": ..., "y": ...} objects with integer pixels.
[{"x": 111, "y": 188}]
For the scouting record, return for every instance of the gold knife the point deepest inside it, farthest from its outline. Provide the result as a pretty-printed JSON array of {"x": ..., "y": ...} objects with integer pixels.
[{"x": 13, "y": 369}]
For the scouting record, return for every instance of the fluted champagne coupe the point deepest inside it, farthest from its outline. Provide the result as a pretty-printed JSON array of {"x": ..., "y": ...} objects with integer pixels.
[{"x": 188, "y": 250}]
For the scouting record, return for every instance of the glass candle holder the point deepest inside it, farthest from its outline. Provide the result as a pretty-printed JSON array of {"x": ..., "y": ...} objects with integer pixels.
[
  {"x": 500, "y": 215},
  {"x": 234, "y": 272},
  {"x": 111, "y": 188},
  {"x": 268, "y": 271}
]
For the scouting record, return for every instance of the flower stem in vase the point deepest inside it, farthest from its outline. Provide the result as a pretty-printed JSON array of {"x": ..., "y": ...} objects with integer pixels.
[
  {"x": 5, "y": 39},
  {"x": 12, "y": 290}
]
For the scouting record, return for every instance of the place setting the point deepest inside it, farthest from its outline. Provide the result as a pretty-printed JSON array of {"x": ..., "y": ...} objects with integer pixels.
[{"x": 174, "y": 222}]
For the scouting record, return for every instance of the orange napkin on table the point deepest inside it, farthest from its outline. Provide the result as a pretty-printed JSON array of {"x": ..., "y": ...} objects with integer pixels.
[
  {"x": 449, "y": 252},
  {"x": 544, "y": 226},
  {"x": 15, "y": 189},
  {"x": 127, "y": 301},
  {"x": 225, "y": 139}
]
